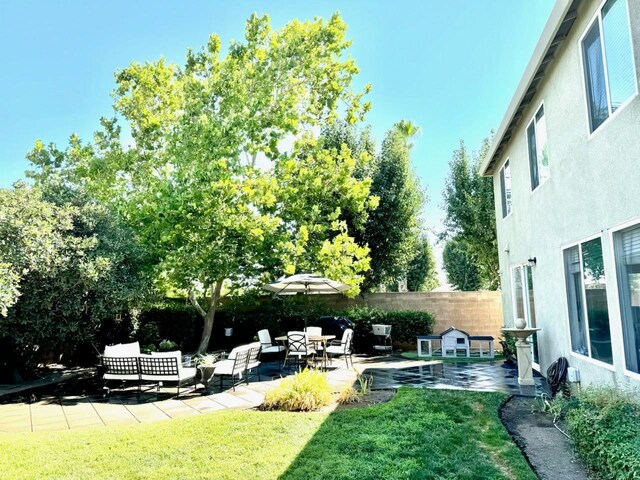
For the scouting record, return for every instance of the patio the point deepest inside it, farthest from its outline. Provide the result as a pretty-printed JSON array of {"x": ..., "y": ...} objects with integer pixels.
[{"x": 62, "y": 408}]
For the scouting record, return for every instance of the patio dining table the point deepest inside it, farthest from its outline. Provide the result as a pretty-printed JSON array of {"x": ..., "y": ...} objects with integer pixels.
[{"x": 316, "y": 340}]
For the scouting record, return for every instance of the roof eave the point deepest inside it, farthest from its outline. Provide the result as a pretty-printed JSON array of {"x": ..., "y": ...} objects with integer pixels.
[{"x": 564, "y": 11}]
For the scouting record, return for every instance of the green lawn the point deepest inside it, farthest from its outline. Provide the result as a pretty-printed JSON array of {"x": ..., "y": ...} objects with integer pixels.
[
  {"x": 414, "y": 356},
  {"x": 419, "y": 434}
]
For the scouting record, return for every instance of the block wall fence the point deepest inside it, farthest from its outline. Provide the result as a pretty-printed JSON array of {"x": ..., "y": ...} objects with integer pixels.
[{"x": 477, "y": 313}]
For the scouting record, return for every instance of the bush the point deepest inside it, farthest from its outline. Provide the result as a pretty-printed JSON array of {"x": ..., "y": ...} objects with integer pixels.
[
  {"x": 604, "y": 424},
  {"x": 248, "y": 314},
  {"x": 304, "y": 392},
  {"x": 405, "y": 325}
]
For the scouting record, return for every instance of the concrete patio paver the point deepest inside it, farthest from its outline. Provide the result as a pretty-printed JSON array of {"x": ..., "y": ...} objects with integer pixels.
[{"x": 124, "y": 407}]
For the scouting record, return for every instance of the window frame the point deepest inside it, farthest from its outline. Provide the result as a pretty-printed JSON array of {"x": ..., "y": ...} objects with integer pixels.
[
  {"x": 597, "y": 17},
  {"x": 589, "y": 358},
  {"x": 613, "y": 231},
  {"x": 503, "y": 192},
  {"x": 541, "y": 106}
]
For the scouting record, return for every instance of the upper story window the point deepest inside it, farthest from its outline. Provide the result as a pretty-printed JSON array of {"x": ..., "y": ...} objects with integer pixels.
[
  {"x": 505, "y": 188},
  {"x": 609, "y": 71},
  {"x": 538, "y": 149}
]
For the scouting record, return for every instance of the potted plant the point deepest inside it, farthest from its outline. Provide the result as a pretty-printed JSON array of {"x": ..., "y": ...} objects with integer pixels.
[{"x": 206, "y": 365}]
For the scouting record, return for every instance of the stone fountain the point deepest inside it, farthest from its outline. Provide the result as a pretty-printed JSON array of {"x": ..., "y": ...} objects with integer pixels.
[{"x": 523, "y": 346}]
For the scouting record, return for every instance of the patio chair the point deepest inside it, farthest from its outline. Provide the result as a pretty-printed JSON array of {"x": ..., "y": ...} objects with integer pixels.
[
  {"x": 342, "y": 347},
  {"x": 235, "y": 365},
  {"x": 382, "y": 334},
  {"x": 314, "y": 332},
  {"x": 166, "y": 367},
  {"x": 120, "y": 363},
  {"x": 253, "y": 362},
  {"x": 298, "y": 347},
  {"x": 266, "y": 343}
]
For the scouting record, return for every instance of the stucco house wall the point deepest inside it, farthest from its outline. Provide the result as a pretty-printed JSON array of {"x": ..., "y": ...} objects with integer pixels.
[{"x": 594, "y": 186}]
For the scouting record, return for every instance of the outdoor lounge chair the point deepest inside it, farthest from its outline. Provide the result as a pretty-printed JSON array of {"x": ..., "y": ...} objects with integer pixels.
[
  {"x": 342, "y": 347},
  {"x": 234, "y": 366},
  {"x": 267, "y": 345},
  {"x": 120, "y": 363},
  {"x": 382, "y": 334},
  {"x": 165, "y": 367},
  {"x": 253, "y": 362},
  {"x": 298, "y": 347},
  {"x": 314, "y": 332}
]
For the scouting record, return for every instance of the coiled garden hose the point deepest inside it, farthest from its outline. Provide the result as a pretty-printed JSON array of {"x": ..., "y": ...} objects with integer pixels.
[{"x": 557, "y": 374}]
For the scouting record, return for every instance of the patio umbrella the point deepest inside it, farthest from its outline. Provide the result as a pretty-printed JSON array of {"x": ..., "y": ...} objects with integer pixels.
[{"x": 308, "y": 284}]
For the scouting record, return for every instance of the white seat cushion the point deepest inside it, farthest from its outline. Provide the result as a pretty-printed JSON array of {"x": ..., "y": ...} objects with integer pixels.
[
  {"x": 224, "y": 367},
  {"x": 122, "y": 350},
  {"x": 335, "y": 349},
  {"x": 273, "y": 349},
  {"x": 110, "y": 376}
]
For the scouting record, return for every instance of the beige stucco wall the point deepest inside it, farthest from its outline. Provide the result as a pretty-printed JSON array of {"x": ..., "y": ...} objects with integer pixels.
[
  {"x": 477, "y": 313},
  {"x": 593, "y": 188}
]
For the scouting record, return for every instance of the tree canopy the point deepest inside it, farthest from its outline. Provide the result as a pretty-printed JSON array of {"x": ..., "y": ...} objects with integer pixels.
[
  {"x": 224, "y": 180},
  {"x": 470, "y": 213},
  {"x": 460, "y": 265}
]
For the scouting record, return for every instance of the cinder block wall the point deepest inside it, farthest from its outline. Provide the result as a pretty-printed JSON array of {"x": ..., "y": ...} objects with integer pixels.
[{"x": 477, "y": 313}]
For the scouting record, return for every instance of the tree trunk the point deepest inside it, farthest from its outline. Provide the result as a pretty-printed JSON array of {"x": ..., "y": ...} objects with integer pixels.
[{"x": 208, "y": 316}]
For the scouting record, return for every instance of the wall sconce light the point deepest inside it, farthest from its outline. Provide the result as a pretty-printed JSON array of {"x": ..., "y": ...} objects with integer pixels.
[{"x": 532, "y": 261}]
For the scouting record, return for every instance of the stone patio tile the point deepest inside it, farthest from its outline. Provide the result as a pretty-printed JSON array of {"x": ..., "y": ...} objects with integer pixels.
[
  {"x": 16, "y": 427},
  {"x": 84, "y": 422},
  {"x": 229, "y": 400},
  {"x": 204, "y": 404},
  {"x": 114, "y": 414},
  {"x": 176, "y": 408},
  {"x": 246, "y": 393},
  {"x": 147, "y": 413}
]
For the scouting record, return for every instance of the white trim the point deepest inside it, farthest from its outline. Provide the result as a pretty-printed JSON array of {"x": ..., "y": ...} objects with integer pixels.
[
  {"x": 583, "y": 240},
  {"x": 597, "y": 16},
  {"x": 503, "y": 195},
  {"x": 616, "y": 230},
  {"x": 593, "y": 361},
  {"x": 629, "y": 373},
  {"x": 584, "y": 299},
  {"x": 625, "y": 225},
  {"x": 557, "y": 16}
]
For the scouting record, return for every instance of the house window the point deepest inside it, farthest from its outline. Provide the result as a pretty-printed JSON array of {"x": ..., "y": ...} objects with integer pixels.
[
  {"x": 610, "y": 77},
  {"x": 627, "y": 250},
  {"x": 587, "y": 301},
  {"x": 538, "y": 149},
  {"x": 505, "y": 189}
]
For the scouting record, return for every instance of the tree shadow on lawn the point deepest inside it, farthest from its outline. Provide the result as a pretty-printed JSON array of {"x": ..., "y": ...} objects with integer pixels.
[{"x": 420, "y": 433}]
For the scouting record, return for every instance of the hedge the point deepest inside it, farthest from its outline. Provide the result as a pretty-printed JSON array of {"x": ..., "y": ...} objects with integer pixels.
[
  {"x": 604, "y": 425},
  {"x": 180, "y": 323}
]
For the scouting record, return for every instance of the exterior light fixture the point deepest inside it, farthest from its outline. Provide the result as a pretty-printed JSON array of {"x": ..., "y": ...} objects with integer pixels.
[{"x": 532, "y": 261}]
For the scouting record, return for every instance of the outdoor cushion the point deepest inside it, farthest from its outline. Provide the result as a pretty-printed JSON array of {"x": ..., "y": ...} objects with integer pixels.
[
  {"x": 272, "y": 349},
  {"x": 122, "y": 350}
]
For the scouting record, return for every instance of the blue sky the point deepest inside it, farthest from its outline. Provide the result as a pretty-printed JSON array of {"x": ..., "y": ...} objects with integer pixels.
[{"x": 449, "y": 66}]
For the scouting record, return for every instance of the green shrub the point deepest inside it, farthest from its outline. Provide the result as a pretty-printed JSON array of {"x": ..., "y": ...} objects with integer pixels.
[
  {"x": 304, "y": 392},
  {"x": 405, "y": 325},
  {"x": 604, "y": 424},
  {"x": 248, "y": 314},
  {"x": 508, "y": 344}
]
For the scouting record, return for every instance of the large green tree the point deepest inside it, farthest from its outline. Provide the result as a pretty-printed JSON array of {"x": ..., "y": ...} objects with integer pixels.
[
  {"x": 393, "y": 228},
  {"x": 421, "y": 271},
  {"x": 470, "y": 212},
  {"x": 460, "y": 265},
  {"x": 211, "y": 184}
]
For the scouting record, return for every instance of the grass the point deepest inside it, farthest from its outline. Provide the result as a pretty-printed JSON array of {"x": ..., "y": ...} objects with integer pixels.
[
  {"x": 414, "y": 356},
  {"x": 418, "y": 434}
]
